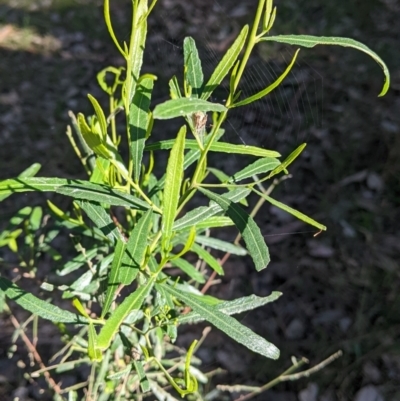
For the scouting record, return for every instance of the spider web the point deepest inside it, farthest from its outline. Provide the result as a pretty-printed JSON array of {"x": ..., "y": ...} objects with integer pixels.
[
  {"x": 287, "y": 114},
  {"x": 281, "y": 121}
]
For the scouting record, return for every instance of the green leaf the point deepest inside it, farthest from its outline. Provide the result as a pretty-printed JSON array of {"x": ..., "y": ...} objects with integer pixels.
[
  {"x": 183, "y": 107},
  {"x": 289, "y": 160},
  {"x": 220, "y": 147},
  {"x": 36, "y": 306},
  {"x": 225, "y": 65},
  {"x": 311, "y": 41},
  {"x": 101, "y": 219},
  {"x": 78, "y": 261},
  {"x": 268, "y": 89},
  {"x": 201, "y": 213},
  {"x": 93, "y": 352},
  {"x": 29, "y": 172},
  {"x": 248, "y": 228},
  {"x": 214, "y": 222},
  {"x": 138, "y": 122},
  {"x": 135, "y": 249},
  {"x": 220, "y": 245},
  {"x": 222, "y": 177},
  {"x": 136, "y": 50},
  {"x": 78, "y": 189},
  {"x": 132, "y": 302},
  {"x": 144, "y": 382},
  {"x": 194, "y": 72},
  {"x": 189, "y": 269},
  {"x": 236, "y": 306},
  {"x": 174, "y": 89},
  {"x": 227, "y": 324},
  {"x": 208, "y": 258},
  {"x": 260, "y": 166},
  {"x": 100, "y": 115},
  {"x": 292, "y": 211},
  {"x": 113, "y": 281},
  {"x": 173, "y": 182}
]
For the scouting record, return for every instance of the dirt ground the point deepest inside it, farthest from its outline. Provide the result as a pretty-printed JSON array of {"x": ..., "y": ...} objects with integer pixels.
[{"x": 341, "y": 289}]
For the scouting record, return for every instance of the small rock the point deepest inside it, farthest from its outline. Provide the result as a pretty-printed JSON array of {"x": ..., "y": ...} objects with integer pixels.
[
  {"x": 295, "y": 330},
  {"x": 345, "y": 323},
  {"x": 371, "y": 372},
  {"x": 310, "y": 393},
  {"x": 368, "y": 393},
  {"x": 231, "y": 361},
  {"x": 375, "y": 182},
  {"x": 329, "y": 395},
  {"x": 320, "y": 250},
  {"x": 20, "y": 394}
]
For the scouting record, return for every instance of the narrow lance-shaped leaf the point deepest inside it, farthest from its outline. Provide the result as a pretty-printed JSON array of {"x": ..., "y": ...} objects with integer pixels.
[
  {"x": 201, "y": 213},
  {"x": 174, "y": 89},
  {"x": 270, "y": 88},
  {"x": 113, "y": 323},
  {"x": 260, "y": 166},
  {"x": 36, "y": 306},
  {"x": 78, "y": 189},
  {"x": 100, "y": 115},
  {"x": 113, "y": 281},
  {"x": 289, "y": 160},
  {"x": 189, "y": 269},
  {"x": 234, "y": 307},
  {"x": 220, "y": 147},
  {"x": 227, "y": 324},
  {"x": 138, "y": 122},
  {"x": 136, "y": 50},
  {"x": 221, "y": 245},
  {"x": 311, "y": 41},
  {"x": 136, "y": 249},
  {"x": 290, "y": 210},
  {"x": 144, "y": 382},
  {"x": 102, "y": 219},
  {"x": 184, "y": 106},
  {"x": 29, "y": 172},
  {"x": 172, "y": 187},
  {"x": 194, "y": 71},
  {"x": 225, "y": 65},
  {"x": 248, "y": 228},
  {"x": 208, "y": 258}
]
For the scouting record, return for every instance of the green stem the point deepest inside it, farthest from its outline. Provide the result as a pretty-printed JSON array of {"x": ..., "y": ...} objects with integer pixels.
[{"x": 249, "y": 48}]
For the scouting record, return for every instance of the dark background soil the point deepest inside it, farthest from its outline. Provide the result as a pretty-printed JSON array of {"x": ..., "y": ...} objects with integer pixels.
[{"x": 341, "y": 289}]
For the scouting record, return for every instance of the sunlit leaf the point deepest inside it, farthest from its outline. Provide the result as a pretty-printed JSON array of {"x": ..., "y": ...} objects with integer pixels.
[
  {"x": 37, "y": 306},
  {"x": 135, "y": 249},
  {"x": 311, "y": 41},
  {"x": 201, "y": 213},
  {"x": 294, "y": 212},
  {"x": 220, "y": 147},
  {"x": 233, "y": 307},
  {"x": 172, "y": 186},
  {"x": 78, "y": 189},
  {"x": 248, "y": 228},
  {"x": 270, "y": 88},
  {"x": 194, "y": 72},
  {"x": 113, "y": 280},
  {"x": 227, "y": 324},
  {"x": 138, "y": 122},
  {"x": 184, "y": 106},
  {"x": 260, "y": 166},
  {"x": 225, "y": 65},
  {"x": 132, "y": 302}
]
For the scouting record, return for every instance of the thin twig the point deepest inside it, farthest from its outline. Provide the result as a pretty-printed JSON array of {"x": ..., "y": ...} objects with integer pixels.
[
  {"x": 288, "y": 376},
  {"x": 52, "y": 384}
]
